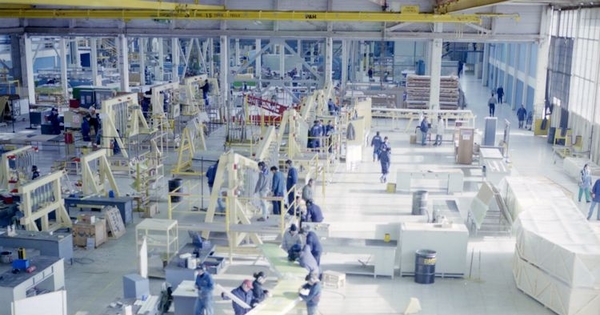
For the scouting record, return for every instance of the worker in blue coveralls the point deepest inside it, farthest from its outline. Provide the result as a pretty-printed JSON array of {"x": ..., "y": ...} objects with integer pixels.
[
  {"x": 277, "y": 188},
  {"x": 205, "y": 285},
  {"x": 85, "y": 129},
  {"x": 244, "y": 293},
  {"x": 314, "y": 135},
  {"x": 211, "y": 173},
  {"x": 313, "y": 297},
  {"x": 376, "y": 144},
  {"x": 292, "y": 180}
]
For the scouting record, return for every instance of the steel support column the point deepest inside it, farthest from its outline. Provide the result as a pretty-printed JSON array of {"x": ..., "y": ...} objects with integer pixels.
[
  {"x": 344, "y": 74},
  {"x": 515, "y": 74},
  {"x": 436, "y": 70},
  {"x": 142, "y": 56},
  {"x": 64, "y": 80},
  {"x": 27, "y": 67},
  {"x": 224, "y": 71},
  {"x": 160, "y": 76},
  {"x": 485, "y": 64},
  {"x": 527, "y": 75},
  {"x": 123, "y": 50},
  {"x": 175, "y": 59},
  {"x": 236, "y": 61},
  {"x": 539, "y": 98},
  {"x": 94, "y": 61},
  {"x": 211, "y": 62},
  {"x": 258, "y": 60},
  {"x": 328, "y": 60}
]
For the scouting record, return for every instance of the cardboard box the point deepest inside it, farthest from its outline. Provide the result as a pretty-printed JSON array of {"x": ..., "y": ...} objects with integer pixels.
[
  {"x": 82, "y": 231},
  {"x": 151, "y": 210},
  {"x": 86, "y": 218},
  {"x": 413, "y": 139}
]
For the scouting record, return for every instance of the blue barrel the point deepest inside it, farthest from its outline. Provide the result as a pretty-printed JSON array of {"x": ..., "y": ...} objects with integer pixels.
[{"x": 425, "y": 266}]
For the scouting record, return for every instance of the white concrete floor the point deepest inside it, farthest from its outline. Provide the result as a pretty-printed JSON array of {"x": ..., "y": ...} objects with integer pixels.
[{"x": 357, "y": 197}]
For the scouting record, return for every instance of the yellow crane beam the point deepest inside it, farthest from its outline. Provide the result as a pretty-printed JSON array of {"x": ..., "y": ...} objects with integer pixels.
[
  {"x": 461, "y": 5},
  {"x": 242, "y": 15},
  {"x": 114, "y": 4}
]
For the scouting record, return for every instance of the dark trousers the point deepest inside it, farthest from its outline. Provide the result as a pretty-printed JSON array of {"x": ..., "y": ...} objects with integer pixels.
[
  {"x": 500, "y": 96},
  {"x": 492, "y": 109},
  {"x": 277, "y": 206},
  {"x": 291, "y": 196},
  {"x": 95, "y": 124}
]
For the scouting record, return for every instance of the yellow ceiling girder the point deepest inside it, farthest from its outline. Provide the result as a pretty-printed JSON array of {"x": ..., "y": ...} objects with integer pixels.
[
  {"x": 115, "y": 4},
  {"x": 298, "y": 16},
  {"x": 460, "y": 5}
]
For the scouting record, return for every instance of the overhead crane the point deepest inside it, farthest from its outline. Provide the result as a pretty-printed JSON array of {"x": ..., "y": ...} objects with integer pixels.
[{"x": 119, "y": 11}]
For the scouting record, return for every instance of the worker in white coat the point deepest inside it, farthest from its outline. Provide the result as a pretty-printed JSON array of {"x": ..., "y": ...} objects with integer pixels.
[{"x": 439, "y": 134}]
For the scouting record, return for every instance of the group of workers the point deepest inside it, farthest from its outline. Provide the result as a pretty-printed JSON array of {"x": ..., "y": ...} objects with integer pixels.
[
  {"x": 251, "y": 293},
  {"x": 319, "y": 135}
]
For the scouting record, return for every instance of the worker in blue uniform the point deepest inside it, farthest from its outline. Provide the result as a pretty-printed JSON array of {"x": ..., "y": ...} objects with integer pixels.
[
  {"x": 35, "y": 173},
  {"x": 211, "y": 173},
  {"x": 292, "y": 180},
  {"x": 277, "y": 189},
  {"x": 204, "y": 285},
  {"x": 55, "y": 121},
  {"x": 315, "y": 134},
  {"x": 85, "y": 129},
  {"x": 315, "y": 246},
  {"x": 244, "y": 293},
  {"x": 313, "y": 213},
  {"x": 205, "y": 90}
]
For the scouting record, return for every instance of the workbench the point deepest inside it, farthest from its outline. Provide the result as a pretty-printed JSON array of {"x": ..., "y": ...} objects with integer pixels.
[
  {"x": 449, "y": 242},
  {"x": 124, "y": 204},
  {"x": 453, "y": 178},
  {"x": 56, "y": 245},
  {"x": 175, "y": 274},
  {"x": 49, "y": 276},
  {"x": 383, "y": 253},
  {"x": 184, "y": 297},
  {"x": 147, "y": 307}
]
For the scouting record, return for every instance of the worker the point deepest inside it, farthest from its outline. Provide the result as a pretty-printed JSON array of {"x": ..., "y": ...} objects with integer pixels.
[
  {"x": 94, "y": 120},
  {"x": 307, "y": 193},
  {"x": 54, "y": 119},
  {"x": 385, "y": 154},
  {"x": 35, "y": 173},
  {"x": 146, "y": 102},
  {"x": 521, "y": 115},
  {"x": 333, "y": 108},
  {"x": 291, "y": 237},
  {"x": 278, "y": 189},
  {"x": 440, "y": 130},
  {"x": 211, "y": 173},
  {"x": 205, "y": 90},
  {"x": 315, "y": 246},
  {"x": 115, "y": 144},
  {"x": 376, "y": 144},
  {"x": 259, "y": 294},
  {"x": 204, "y": 285},
  {"x": 314, "y": 135},
  {"x": 292, "y": 181},
  {"x": 85, "y": 129},
  {"x": 313, "y": 296},
  {"x": 370, "y": 73},
  {"x": 307, "y": 260},
  {"x": 313, "y": 213},
  {"x": 329, "y": 131},
  {"x": 424, "y": 127},
  {"x": 244, "y": 293},
  {"x": 262, "y": 190}
]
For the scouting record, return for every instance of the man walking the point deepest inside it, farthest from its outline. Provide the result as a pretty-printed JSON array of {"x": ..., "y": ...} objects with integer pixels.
[
  {"x": 492, "y": 105},
  {"x": 376, "y": 144},
  {"x": 440, "y": 130},
  {"x": 204, "y": 285},
  {"x": 262, "y": 189},
  {"x": 424, "y": 130},
  {"x": 595, "y": 200},
  {"x": 292, "y": 181},
  {"x": 277, "y": 188},
  {"x": 500, "y": 92},
  {"x": 385, "y": 153},
  {"x": 205, "y": 90},
  {"x": 313, "y": 296},
  {"x": 521, "y": 114}
]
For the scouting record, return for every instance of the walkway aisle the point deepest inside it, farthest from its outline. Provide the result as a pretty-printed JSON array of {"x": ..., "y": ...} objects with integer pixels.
[{"x": 356, "y": 197}]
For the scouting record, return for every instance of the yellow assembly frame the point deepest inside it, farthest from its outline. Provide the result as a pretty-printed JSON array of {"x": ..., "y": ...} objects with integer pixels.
[
  {"x": 5, "y": 171},
  {"x": 191, "y": 106},
  {"x": 30, "y": 216},
  {"x": 192, "y": 140},
  {"x": 93, "y": 184},
  {"x": 109, "y": 129}
]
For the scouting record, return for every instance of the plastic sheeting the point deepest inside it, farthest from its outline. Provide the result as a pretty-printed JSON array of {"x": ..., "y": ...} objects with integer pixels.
[{"x": 557, "y": 256}]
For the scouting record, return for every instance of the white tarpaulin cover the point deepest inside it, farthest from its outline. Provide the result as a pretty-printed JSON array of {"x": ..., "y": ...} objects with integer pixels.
[
  {"x": 557, "y": 256},
  {"x": 553, "y": 293}
]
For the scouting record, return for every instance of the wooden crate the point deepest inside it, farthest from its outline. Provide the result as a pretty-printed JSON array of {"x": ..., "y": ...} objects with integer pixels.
[
  {"x": 151, "y": 210},
  {"x": 83, "y": 231},
  {"x": 334, "y": 279}
]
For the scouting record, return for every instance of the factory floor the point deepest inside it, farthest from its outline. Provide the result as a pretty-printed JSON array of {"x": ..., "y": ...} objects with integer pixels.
[{"x": 357, "y": 197}]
